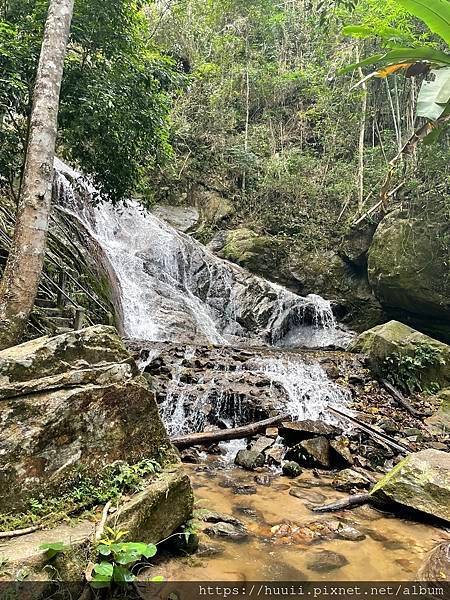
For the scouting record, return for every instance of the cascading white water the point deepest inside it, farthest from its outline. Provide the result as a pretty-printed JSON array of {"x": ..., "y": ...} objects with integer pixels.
[{"x": 173, "y": 288}]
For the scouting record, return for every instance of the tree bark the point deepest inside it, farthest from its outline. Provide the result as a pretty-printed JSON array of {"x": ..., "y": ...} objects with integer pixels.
[
  {"x": 19, "y": 285},
  {"x": 238, "y": 433}
]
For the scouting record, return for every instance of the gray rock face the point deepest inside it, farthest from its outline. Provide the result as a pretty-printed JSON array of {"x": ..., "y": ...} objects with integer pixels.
[
  {"x": 421, "y": 481},
  {"x": 408, "y": 269},
  {"x": 348, "y": 479},
  {"x": 70, "y": 402}
]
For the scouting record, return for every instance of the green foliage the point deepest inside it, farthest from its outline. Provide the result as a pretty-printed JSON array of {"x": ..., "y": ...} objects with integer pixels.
[
  {"x": 436, "y": 15},
  {"x": 53, "y": 548},
  {"x": 406, "y": 371},
  {"x": 117, "y": 558},
  {"x": 82, "y": 492},
  {"x": 115, "y": 97}
]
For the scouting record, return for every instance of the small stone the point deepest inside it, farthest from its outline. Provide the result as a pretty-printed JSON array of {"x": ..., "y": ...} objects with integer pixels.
[
  {"x": 261, "y": 444},
  {"x": 439, "y": 446},
  {"x": 244, "y": 489},
  {"x": 226, "y": 530},
  {"x": 275, "y": 455},
  {"x": 190, "y": 456},
  {"x": 291, "y": 469},
  {"x": 325, "y": 561},
  {"x": 205, "y": 551},
  {"x": 348, "y": 479},
  {"x": 347, "y": 532},
  {"x": 211, "y": 516},
  {"x": 263, "y": 479},
  {"x": 249, "y": 459},
  {"x": 388, "y": 425},
  {"x": 272, "y": 432},
  {"x": 412, "y": 431}
]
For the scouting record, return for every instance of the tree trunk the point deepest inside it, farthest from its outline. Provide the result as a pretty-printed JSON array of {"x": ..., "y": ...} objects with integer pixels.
[{"x": 20, "y": 280}]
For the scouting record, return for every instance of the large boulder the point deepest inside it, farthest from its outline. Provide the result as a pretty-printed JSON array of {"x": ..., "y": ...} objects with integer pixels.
[
  {"x": 70, "y": 403},
  {"x": 408, "y": 270},
  {"x": 395, "y": 337},
  {"x": 421, "y": 481}
]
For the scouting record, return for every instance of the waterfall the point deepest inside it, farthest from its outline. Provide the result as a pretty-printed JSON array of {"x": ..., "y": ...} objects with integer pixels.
[{"x": 173, "y": 289}]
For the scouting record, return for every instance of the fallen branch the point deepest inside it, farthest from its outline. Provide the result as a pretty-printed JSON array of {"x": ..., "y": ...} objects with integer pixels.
[
  {"x": 350, "y": 502},
  {"x": 17, "y": 532},
  {"x": 400, "y": 399},
  {"x": 381, "y": 437},
  {"x": 211, "y": 437}
]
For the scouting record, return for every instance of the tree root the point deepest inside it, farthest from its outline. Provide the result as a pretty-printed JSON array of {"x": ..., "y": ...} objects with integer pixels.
[{"x": 18, "y": 532}]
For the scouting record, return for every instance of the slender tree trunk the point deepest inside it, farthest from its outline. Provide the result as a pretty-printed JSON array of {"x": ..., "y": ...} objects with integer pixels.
[
  {"x": 362, "y": 131},
  {"x": 20, "y": 280}
]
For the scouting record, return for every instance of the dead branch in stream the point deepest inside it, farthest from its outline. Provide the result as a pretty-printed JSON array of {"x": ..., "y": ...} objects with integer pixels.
[
  {"x": 211, "y": 437},
  {"x": 400, "y": 399},
  {"x": 350, "y": 502},
  {"x": 377, "y": 435}
]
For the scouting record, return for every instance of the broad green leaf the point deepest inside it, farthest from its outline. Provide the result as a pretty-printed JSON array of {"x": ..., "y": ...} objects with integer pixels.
[
  {"x": 127, "y": 557},
  {"x": 434, "y": 95},
  {"x": 53, "y": 548},
  {"x": 103, "y": 569},
  {"x": 434, "y": 13},
  {"x": 403, "y": 55},
  {"x": 157, "y": 579},
  {"x": 122, "y": 574},
  {"x": 104, "y": 550}
]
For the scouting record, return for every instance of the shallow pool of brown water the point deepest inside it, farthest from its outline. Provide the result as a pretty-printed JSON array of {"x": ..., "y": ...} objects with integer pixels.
[{"x": 277, "y": 548}]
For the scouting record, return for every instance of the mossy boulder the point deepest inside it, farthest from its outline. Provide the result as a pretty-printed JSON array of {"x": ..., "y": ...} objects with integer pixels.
[
  {"x": 421, "y": 481},
  {"x": 395, "y": 337},
  {"x": 72, "y": 402},
  {"x": 408, "y": 268},
  {"x": 260, "y": 254}
]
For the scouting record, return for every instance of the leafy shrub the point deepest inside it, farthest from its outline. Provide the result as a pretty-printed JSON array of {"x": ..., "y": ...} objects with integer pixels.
[{"x": 406, "y": 371}]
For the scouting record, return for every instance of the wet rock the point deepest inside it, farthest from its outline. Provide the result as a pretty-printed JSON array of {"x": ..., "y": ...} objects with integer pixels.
[
  {"x": 314, "y": 452},
  {"x": 437, "y": 564},
  {"x": 249, "y": 459},
  {"x": 242, "y": 489},
  {"x": 211, "y": 516},
  {"x": 275, "y": 455},
  {"x": 226, "y": 530},
  {"x": 206, "y": 551},
  {"x": 325, "y": 561},
  {"x": 190, "y": 456},
  {"x": 348, "y": 479},
  {"x": 292, "y": 469},
  {"x": 346, "y": 532},
  {"x": 262, "y": 444},
  {"x": 341, "y": 450},
  {"x": 272, "y": 432},
  {"x": 309, "y": 495},
  {"x": 263, "y": 479},
  {"x": 421, "y": 481},
  {"x": 303, "y": 430}
]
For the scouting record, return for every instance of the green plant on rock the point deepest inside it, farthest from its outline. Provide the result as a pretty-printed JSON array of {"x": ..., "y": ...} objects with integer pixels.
[{"x": 406, "y": 371}]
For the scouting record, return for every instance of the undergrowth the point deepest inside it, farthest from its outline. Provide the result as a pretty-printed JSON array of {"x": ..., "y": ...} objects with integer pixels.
[
  {"x": 406, "y": 371},
  {"x": 83, "y": 493}
]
